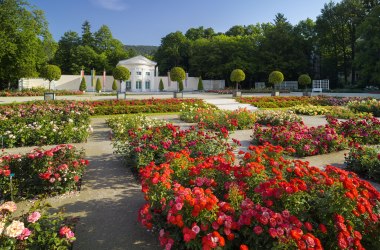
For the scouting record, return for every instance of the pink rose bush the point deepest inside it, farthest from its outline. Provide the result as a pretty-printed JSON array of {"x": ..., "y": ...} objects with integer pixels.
[
  {"x": 144, "y": 145},
  {"x": 213, "y": 118},
  {"x": 35, "y": 230},
  {"x": 364, "y": 160},
  {"x": 304, "y": 140},
  {"x": 44, "y": 123},
  {"x": 53, "y": 171},
  {"x": 364, "y": 131}
]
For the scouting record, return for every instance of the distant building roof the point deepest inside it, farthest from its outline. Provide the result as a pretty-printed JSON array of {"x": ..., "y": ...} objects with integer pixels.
[{"x": 137, "y": 60}]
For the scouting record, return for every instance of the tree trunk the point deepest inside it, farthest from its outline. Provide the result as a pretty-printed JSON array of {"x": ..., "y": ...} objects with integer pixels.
[{"x": 353, "y": 51}]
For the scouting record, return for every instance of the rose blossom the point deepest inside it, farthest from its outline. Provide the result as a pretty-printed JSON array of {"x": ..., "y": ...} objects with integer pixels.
[
  {"x": 33, "y": 217},
  {"x": 9, "y": 205},
  {"x": 14, "y": 229},
  {"x": 66, "y": 232},
  {"x": 25, "y": 234}
]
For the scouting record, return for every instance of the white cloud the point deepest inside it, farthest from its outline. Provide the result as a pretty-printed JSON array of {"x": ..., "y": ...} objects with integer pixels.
[{"x": 115, "y": 5}]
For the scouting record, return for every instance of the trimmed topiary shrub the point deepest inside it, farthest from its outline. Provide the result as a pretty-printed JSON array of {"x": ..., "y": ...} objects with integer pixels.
[
  {"x": 275, "y": 77},
  {"x": 180, "y": 86},
  {"x": 83, "y": 85},
  {"x": 51, "y": 73},
  {"x": 121, "y": 73},
  {"x": 98, "y": 85},
  {"x": 237, "y": 75},
  {"x": 114, "y": 85},
  {"x": 161, "y": 85},
  {"x": 177, "y": 74},
  {"x": 304, "y": 80},
  {"x": 200, "y": 84}
]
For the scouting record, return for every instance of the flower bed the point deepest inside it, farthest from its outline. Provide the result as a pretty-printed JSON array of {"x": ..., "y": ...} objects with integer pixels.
[
  {"x": 276, "y": 101},
  {"x": 35, "y": 230},
  {"x": 265, "y": 202},
  {"x": 110, "y": 107},
  {"x": 37, "y": 92},
  {"x": 369, "y": 106},
  {"x": 365, "y": 161},
  {"x": 290, "y": 101},
  {"x": 213, "y": 118},
  {"x": 364, "y": 131},
  {"x": 276, "y": 117},
  {"x": 309, "y": 110},
  {"x": 41, "y": 172},
  {"x": 346, "y": 113},
  {"x": 304, "y": 140},
  {"x": 44, "y": 123},
  {"x": 120, "y": 125},
  {"x": 151, "y": 144}
]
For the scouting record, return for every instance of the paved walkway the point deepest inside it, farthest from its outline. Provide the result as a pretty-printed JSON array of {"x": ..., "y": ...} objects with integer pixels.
[
  {"x": 109, "y": 201},
  {"x": 229, "y": 104}
]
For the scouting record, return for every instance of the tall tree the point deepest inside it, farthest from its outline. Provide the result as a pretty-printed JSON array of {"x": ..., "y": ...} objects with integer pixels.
[
  {"x": 281, "y": 49},
  {"x": 22, "y": 33},
  {"x": 87, "y": 37},
  {"x": 64, "y": 57},
  {"x": 368, "y": 53},
  {"x": 173, "y": 51}
]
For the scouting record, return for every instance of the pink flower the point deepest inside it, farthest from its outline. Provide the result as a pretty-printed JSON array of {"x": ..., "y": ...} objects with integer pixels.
[
  {"x": 196, "y": 229},
  {"x": 66, "y": 232},
  {"x": 178, "y": 206},
  {"x": 25, "y": 234},
  {"x": 33, "y": 217}
]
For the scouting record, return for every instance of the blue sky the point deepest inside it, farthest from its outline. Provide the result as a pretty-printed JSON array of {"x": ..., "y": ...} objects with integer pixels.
[{"x": 145, "y": 22}]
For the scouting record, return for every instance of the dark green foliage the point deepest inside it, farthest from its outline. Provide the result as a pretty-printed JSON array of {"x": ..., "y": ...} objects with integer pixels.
[
  {"x": 98, "y": 85},
  {"x": 142, "y": 49},
  {"x": 83, "y": 86},
  {"x": 98, "y": 50},
  {"x": 275, "y": 77},
  {"x": 368, "y": 49},
  {"x": 161, "y": 85},
  {"x": 177, "y": 74},
  {"x": 180, "y": 86},
  {"x": 114, "y": 85},
  {"x": 25, "y": 42},
  {"x": 200, "y": 84},
  {"x": 304, "y": 80}
]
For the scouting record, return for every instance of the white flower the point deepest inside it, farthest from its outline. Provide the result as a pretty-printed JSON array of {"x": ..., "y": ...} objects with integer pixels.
[
  {"x": 14, "y": 229},
  {"x": 2, "y": 224}
]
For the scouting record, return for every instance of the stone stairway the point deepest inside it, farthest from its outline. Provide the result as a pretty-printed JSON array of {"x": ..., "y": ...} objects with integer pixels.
[{"x": 229, "y": 104}]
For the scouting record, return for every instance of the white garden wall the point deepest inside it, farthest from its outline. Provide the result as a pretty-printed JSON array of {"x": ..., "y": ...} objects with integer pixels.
[{"x": 72, "y": 82}]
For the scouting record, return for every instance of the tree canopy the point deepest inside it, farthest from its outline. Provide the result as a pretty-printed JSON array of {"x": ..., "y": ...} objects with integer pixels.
[
  {"x": 304, "y": 80},
  {"x": 237, "y": 75},
  {"x": 121, "y": 73},
  {"x": 92, "y": 50},
  {"x": 275, "y": 77},
  {"x": 25, "y": 42},
  {"x": 51, "y": 73}
]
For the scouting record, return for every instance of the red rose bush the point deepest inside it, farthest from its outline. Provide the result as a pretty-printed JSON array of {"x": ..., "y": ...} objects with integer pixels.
[
  {"x": 304, "y": 140},
  {"x": 41, "y": 172}
]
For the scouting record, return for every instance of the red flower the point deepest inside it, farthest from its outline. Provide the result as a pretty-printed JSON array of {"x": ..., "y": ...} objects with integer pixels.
[
  {"x": 243, "y": 247},
  {"x": 308, "y": 226},
  {"x": 258, "y": 230},
  {"x": 322, "y": 228}
]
